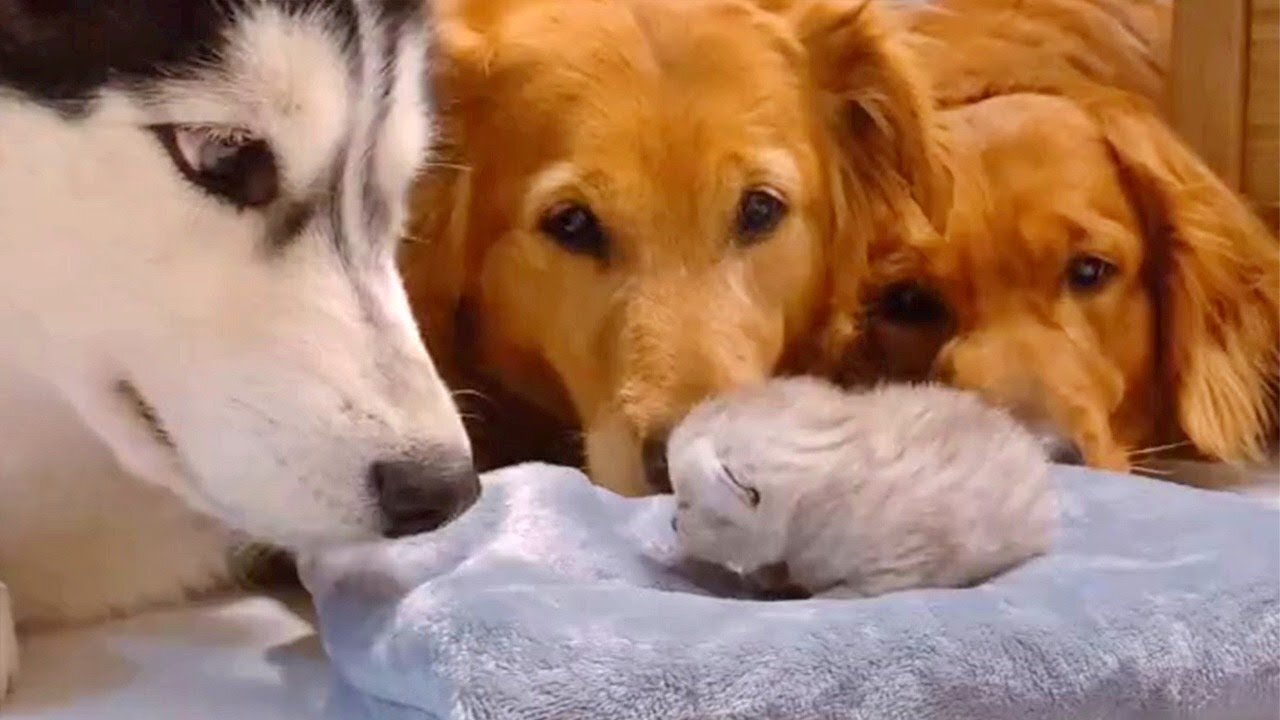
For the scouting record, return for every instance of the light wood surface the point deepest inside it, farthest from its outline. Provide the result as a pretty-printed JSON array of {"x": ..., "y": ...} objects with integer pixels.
[
  {"x": 1224, "y": 92},
  {"x": 1262, "y": 118},
  {"x": 1209, "y": 80}
]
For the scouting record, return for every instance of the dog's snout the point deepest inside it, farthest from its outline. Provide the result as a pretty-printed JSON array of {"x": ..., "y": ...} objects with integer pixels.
[
  {"x": 655, "y": 463},
  {"x": 1065, "y": 452},
  {"x": 417, "y": 496}
]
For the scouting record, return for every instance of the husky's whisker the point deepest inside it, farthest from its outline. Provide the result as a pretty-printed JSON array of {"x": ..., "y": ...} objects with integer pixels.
[{"x": 446, "y": 165}]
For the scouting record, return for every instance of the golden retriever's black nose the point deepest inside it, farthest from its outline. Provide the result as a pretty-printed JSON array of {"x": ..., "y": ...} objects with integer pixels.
[
  {"x": 1065, "y": 452},
  {"x": 654, "y": 455},
  {"x": 418, "y": 496}
]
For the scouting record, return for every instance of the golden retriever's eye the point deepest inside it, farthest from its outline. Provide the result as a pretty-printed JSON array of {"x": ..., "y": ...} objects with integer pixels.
[
  {"x": 575, "y": 228},
  {"x": 1087, "y": 273},
  {"x": 759, "y": 212},
  {"x": 228, "y": 162},
  {"x": 908, "y": 303}
]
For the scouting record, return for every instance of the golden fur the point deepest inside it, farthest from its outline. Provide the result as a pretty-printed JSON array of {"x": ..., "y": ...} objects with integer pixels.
[
  {"x": 657, "y": 115},
  {"x": 1057, "y": 151},
  {"x": 981, "y": 48},
  {"x": 1053, "y": 162}
]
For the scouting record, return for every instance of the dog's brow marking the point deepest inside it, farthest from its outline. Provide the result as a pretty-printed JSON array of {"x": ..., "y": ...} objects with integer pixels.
[
  {"x": 360, "y": 212},
  {"x": 334, "y": 203},
  {"x": 376, "y": 214},
  {"x": 780, "y": 168},
  {"x": 345, "y": 211},
  {"x": 546, "y": 184}
]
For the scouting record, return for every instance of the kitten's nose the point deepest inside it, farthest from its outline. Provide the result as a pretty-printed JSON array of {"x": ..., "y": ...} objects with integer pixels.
[
  {"x": 417, "y": 495},
  {"x": 654, "y": 454}
]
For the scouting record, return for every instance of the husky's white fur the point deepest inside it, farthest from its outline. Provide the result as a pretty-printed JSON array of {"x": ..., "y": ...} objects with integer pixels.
[{"x": 167, "y": 378}]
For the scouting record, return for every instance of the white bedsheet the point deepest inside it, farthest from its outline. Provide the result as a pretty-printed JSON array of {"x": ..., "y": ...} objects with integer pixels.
[{"x": 236, "y": 658}]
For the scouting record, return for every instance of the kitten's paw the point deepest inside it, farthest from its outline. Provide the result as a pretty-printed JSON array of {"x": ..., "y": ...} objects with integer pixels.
[{"x": 8, "y": 643}]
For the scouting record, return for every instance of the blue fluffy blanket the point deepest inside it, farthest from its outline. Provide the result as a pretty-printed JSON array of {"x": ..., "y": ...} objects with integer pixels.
[{"x": 553, "y": 599}]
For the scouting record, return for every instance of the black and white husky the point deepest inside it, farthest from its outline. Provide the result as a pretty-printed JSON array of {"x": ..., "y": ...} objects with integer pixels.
[{"x": 201, "y": 325}]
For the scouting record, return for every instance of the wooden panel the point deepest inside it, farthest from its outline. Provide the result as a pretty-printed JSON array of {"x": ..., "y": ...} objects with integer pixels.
[
  {"x": 1207, "y": 92},
  {"x": 1262, "y": 123}
]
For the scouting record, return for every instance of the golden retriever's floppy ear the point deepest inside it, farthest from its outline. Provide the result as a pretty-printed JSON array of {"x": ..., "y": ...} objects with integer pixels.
[
  {"x": 1215, "y": 276},
  {"x": 889, "y": 181},
  {"x": 460, "y": 52},
  {"x": 882, "y": 109},
  {"x": 434, "y": 256}
]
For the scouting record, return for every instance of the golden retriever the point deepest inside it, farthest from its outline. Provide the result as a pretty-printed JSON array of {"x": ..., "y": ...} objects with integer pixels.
[
  {"x": 1095, "y": 276},
  {"x": 666, "y": 187},
  {"x": 981, "y": 48}
]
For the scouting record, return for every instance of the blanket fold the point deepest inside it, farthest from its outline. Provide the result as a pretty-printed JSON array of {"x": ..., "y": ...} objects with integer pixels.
[{"x": 555, "y": 599}]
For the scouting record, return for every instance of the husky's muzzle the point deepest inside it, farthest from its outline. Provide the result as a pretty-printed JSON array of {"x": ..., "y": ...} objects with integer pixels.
[{"x": 416, "y": 496}]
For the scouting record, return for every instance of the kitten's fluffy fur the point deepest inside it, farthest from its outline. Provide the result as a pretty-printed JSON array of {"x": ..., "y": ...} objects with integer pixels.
[{"x": 859, "y": 493}]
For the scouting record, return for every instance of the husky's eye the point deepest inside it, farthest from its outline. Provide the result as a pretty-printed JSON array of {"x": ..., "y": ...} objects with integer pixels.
[
  {"x": 575, "y": 228},
  {"x": 908, "y": 303},
  {"x": 759, "y": 212},
  {"x": 228, "y": 162}
]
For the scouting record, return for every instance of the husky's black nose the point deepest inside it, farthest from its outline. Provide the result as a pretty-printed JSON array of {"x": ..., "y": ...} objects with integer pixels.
[{"x": 417, "y": 496}]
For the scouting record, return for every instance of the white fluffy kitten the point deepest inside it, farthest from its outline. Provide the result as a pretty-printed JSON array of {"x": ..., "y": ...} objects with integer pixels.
[{"x": 797, "y": 483}]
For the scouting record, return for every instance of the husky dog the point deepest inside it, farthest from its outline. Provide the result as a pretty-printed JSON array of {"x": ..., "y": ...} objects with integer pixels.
[{"x": 201, "y": 325}]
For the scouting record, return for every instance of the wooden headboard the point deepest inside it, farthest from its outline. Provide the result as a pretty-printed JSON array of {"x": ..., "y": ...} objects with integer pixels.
[{"x": 1225, "y": 92}]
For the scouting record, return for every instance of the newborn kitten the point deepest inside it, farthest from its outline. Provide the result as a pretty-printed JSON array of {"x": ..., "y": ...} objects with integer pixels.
[{"x": 796, "y": 482}]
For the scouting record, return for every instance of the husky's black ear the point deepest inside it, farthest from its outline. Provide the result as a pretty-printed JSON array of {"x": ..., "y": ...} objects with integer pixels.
[
  {"x": 23, "y": 22},
  {"x": 60, "y": 51},
  {"x": 34, "y": 38},
  {"x": 53, "y": 50}
]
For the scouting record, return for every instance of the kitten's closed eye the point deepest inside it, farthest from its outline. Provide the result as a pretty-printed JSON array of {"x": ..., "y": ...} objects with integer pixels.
[{"x": 747, "y": 493}]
